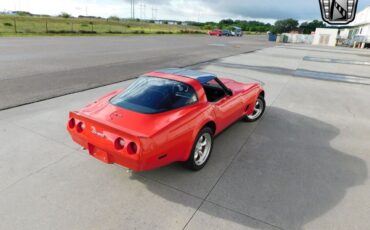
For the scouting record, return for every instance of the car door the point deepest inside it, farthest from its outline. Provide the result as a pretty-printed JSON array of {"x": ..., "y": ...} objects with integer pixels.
[{"x": 227, "y": 110}]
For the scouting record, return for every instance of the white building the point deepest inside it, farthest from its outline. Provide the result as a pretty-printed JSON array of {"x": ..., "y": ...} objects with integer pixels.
[
  {"x": 361, "y": 25},
  {"x": 359, "y": 30},
  {"x": 325, "y": 37},
  {"x": 356, "y": 34}
]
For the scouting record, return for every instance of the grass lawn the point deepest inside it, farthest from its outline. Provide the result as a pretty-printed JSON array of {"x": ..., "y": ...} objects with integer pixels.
[{"x": 28, "y": 26}]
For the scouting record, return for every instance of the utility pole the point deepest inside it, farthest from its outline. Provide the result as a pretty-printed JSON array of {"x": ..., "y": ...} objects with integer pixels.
[
  {"x": 144, "y": 11},
  {"x": 141, "y": 10},
  {"x": 154, "y": 13},
  {"x": 133, "y": 9}
]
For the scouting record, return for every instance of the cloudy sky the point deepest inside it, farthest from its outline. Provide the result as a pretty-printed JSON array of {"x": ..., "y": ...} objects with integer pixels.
[{"x": 195, "y": 10}]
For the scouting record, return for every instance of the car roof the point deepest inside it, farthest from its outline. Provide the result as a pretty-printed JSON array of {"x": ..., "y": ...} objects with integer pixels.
[{"x": 202, "y": 77}]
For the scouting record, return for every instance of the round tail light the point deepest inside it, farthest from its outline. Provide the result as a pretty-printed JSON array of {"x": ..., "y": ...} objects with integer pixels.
[
  {"x": 132, "y": 148},
  {"x": 119, "y": 143},
  {"x": 71, "y": 123},
  {"x": 80, "y": 127}
]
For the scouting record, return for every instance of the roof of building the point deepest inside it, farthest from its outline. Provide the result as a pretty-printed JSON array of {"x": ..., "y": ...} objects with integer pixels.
[
  {"x": 362, "y": 17},
  {"x": 202, "y": 77}
]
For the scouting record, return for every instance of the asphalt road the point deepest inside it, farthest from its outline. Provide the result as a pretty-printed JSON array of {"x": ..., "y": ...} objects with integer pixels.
[{"x": 38, "y": 68}]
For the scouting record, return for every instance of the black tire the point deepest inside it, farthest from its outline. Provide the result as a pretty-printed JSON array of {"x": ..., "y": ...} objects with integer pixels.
[
  {"x": 254, "y": 117},
  {"x": 191, "y": 162}
]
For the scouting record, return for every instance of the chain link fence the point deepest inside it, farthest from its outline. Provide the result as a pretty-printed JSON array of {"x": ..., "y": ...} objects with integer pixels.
[{"x": 50, "y": 25}]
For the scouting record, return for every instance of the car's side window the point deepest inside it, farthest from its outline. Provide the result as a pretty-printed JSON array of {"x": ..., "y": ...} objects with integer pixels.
[
  {"x": 214, "y": 91},
  {"x": 183, "y": 95}
]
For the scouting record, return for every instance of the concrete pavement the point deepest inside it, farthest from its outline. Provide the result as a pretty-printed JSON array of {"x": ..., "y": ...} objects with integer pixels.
[{"x": 303, "y": 166}]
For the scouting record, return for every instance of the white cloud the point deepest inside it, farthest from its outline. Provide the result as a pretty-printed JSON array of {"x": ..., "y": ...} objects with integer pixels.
[{"x": 195, "y": 10}]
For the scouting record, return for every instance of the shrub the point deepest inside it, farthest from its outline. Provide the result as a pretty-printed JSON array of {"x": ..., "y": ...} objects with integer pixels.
[
  {"x": 114, "y": 18},
  {"x": 138, "y": 32},
  {"x": 65, "y": 15},
  {"x": 114, "y": 32},
  {"x": 61, "y": 32},
  {"x": 8, "y": 24},
  {"x": 87, "y": 32}
]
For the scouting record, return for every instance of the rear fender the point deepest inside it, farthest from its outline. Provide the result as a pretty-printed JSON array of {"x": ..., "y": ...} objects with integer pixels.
[{"x": 206, "y": 119}]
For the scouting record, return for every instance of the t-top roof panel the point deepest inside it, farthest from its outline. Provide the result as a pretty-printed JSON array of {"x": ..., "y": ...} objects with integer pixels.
[{"x": 202, "y": 77}]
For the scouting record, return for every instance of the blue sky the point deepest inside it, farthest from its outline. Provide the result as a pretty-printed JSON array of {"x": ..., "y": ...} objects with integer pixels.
[{"x": 195, "y": 10}]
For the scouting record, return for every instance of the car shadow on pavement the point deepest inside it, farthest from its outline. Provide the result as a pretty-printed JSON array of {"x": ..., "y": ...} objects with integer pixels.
[{"x": 286, "y": 174}]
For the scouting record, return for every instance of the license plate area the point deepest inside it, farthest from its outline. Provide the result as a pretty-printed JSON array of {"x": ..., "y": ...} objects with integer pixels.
[{"x": 99, "y": 154}]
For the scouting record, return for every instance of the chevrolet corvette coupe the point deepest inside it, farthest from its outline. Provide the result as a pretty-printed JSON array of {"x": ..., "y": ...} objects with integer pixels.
[{"x": 165, "y": 116}]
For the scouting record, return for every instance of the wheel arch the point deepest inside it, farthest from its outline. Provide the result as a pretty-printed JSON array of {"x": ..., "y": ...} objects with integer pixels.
[
  {"x": 262, "y": 93},
  {"x": 211, "y": 124},
  {"x": 207, "y": 123}
]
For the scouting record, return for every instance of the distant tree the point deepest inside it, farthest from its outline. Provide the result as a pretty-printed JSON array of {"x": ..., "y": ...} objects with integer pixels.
[
  {"x": 285, "y": 26},
  {"x": 255, "y": 26},
  {"x": 114, "y": 18},
  {"x": 308, "y": 27},
  {"x": 226, "y": 22},
  {"x": 65, "y": 15},
  {"x": 22, "y": 13}
]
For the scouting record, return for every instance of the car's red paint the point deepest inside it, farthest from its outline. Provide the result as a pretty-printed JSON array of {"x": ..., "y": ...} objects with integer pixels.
[
  {"x": 161, "y": 138},
  {"x": 216, "y": 32}
]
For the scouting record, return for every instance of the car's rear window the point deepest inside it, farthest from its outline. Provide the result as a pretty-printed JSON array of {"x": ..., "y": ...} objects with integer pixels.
[{"x": 155, "y": 95}]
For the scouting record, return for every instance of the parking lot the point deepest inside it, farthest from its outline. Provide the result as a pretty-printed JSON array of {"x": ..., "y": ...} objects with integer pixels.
[{"x": 303, "y": 166}]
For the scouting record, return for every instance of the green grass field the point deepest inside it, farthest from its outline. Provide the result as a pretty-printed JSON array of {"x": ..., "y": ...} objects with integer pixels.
[{"x": 26, "y": 25}]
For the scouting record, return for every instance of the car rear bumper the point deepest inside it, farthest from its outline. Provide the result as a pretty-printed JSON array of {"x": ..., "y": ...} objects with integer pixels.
[{"x": 106, "y": 155}]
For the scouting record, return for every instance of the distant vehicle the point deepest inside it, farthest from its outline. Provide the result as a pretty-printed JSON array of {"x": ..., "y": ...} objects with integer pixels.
[
  {"x": 226, "y": 33},
  {"x": 237, "y": 31},
  {"x": 165, "y": 116},
  {"x": 216, "y": 32}
]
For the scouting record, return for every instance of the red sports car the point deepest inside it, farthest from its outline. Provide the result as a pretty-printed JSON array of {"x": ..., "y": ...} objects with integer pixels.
[
  {"x": 216, "y": 32},
  {"x": 165, "y": 116}
]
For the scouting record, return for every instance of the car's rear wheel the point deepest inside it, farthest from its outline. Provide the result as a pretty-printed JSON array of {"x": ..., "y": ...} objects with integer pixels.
[
  {"x": 201, "y": 150},
  {"x": 258, "y": 110}
]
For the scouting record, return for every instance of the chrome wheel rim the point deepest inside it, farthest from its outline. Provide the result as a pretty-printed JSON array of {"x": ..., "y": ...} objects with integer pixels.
[
  {"x": 202, "y": 149},
  {"x": 257, "y": 111}
]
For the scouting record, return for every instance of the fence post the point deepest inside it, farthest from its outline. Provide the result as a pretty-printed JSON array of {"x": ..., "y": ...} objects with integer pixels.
[
  {"x": 92, "y": 27},
  {"x": 46, "y": 26},
  {"x": 15, "y": 25}
]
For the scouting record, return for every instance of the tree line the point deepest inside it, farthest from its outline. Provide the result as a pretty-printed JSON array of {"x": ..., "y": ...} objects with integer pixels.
[{"x": 280, "y": 26}]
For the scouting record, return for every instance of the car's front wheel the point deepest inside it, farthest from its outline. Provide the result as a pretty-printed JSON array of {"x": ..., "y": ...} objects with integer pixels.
[
  {"x": 201, "y": 150},
  {"x": 258, "y": 110}
]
